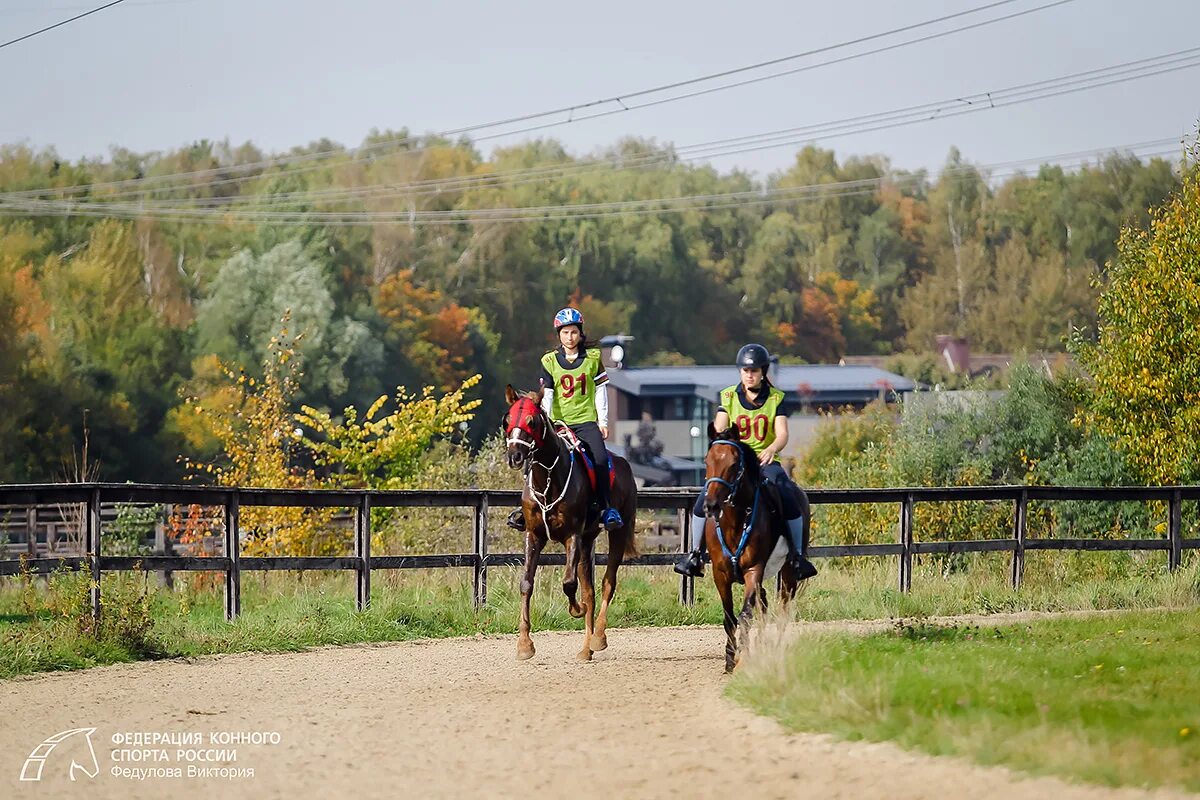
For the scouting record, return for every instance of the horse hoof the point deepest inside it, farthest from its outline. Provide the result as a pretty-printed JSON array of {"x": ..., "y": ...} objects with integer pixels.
[
  {"x": 575, "y": 610},
  {"x": 525, "y": 653},
  {"x": 599, "y": 642},
  {"x": 584, "y": 655}
]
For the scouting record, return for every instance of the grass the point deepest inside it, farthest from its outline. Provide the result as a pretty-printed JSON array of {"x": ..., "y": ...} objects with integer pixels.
[
  {"x": 46, "y": 627},
  {"x": 1109, "y": 700}
]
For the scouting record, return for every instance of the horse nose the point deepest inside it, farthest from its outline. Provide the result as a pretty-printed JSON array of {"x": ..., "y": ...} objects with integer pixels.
[{"x": 515, "y": 457}]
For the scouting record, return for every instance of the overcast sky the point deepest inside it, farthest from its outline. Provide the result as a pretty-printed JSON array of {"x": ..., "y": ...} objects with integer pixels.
[{"x": 157, "y": 74}]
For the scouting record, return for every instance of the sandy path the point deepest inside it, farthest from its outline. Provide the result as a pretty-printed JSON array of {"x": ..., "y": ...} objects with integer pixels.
[{"x": 462, "y": 717}]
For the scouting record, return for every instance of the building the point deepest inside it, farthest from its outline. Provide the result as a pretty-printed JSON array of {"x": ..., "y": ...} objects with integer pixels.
[{"x": 679, "y": 402}]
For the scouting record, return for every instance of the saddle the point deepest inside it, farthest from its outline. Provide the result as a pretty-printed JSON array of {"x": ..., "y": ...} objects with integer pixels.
[{"x": 586, "y": 457}]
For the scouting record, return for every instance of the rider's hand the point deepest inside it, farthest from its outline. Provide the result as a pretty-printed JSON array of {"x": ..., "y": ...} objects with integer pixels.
[
  {"x": 603, "y": 433},
  {"x": 767, "y": 457}
]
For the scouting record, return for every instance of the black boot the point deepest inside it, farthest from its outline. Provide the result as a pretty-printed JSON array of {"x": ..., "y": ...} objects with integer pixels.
[
  {"x": 691, "y": 565},
  {"x": 516, "y": 520},
  {"x": 803, "y": 567}
]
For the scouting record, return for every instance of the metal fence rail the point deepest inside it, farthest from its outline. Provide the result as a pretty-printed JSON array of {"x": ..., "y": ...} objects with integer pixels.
[{"x": 94, "y": 495}]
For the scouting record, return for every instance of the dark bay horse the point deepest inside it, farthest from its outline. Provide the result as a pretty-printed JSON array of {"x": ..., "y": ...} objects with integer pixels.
[
  {"x": 557, "y": 504},
  {"x": 742, "y": 528}
]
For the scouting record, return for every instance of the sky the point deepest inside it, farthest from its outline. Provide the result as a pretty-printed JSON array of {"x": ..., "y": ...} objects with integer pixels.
[{"x": 158, "y": 74}]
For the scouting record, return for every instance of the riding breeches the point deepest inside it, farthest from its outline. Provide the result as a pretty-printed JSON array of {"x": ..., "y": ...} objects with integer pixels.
[{"x": 589, "y": 434}]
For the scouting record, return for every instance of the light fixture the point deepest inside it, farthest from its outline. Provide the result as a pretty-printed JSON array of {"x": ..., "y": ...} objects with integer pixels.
[{"x": 617, "y": 353}]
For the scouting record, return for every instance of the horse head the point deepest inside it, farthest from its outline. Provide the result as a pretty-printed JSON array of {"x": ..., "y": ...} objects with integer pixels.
[
  {"x": 729, "y": 464},
  {"x": 525, "y": 425}
]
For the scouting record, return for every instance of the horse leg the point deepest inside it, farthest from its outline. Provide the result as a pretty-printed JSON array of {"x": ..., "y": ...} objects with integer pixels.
[
  {"x": 725, "y": 590},
  {"x": 571, "y": 575},
  {"x": 616, "y": 552},
  {"x": 587, "y": 581},
  {"x": 746, "y": 618},
  {"x": 533, "y": 550}
]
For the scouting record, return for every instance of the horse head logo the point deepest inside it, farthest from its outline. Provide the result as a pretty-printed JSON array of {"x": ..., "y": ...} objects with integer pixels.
[{"x": 79, "y": 746}]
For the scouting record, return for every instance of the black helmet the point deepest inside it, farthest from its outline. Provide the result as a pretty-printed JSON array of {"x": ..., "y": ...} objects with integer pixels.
[{"x": 753, "y": 355}]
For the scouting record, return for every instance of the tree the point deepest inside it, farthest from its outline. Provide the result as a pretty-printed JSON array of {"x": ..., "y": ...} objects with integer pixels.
[{"x": 1145, "y": 363}]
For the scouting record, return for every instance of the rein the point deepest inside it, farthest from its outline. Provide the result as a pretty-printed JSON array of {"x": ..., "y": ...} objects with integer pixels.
[
  {"x": 516, "y": 421},
  {"x": 735, "y": 556}
]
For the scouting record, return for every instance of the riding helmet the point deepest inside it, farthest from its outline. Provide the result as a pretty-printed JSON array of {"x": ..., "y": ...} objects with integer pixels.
[
  {"x": 753, "y": 355},
  {"x": 568, "y": 316}
]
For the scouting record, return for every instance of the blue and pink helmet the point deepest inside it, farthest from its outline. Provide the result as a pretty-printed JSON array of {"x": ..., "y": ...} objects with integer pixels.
[{"x": 568, "y": 316}]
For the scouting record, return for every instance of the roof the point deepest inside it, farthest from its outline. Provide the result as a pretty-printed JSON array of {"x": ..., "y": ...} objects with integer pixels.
[{"x": 821, "y": 383}]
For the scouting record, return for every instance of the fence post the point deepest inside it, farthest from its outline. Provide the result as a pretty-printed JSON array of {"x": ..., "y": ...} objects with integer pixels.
[
  {"x": 687, "y": 584},
  {"x": 1175, "y": 528},
  {"x": 31, "y": 531},
  {"x": 233, "y": 549},
  {"x": 481, "y": 531},
  {"x": 362, "y": 551},
  {"x": 92, "y": 545},
  {"x": 1020, "y": 525},
  {"x": 906, "y": 520}
]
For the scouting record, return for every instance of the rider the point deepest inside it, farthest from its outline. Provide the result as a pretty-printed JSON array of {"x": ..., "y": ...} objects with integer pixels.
[
  {"x": 573, "y": 392},
  {"x": 756, "y": 408}
]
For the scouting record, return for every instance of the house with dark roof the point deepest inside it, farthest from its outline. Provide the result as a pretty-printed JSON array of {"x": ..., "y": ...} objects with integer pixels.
[{"x": 679, "y": 402}]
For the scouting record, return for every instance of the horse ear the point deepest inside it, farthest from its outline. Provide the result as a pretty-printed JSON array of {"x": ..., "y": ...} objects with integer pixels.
[
  {"x": 712, "y": 430},
  {"x": 510, "y": 394}
]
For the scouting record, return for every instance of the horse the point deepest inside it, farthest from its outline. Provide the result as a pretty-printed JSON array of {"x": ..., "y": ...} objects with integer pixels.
[
  {"x": 742, "y": 528},
  {"x": 557, "y": 504}
]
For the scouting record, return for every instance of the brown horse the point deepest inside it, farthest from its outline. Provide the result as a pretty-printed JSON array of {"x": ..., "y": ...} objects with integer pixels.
[
  {"x": 557, "y": 504},
  {"x": 742, "y": 529}
]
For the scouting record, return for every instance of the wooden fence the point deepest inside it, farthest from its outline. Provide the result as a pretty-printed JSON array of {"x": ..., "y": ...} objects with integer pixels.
[{"x": 93, "y": 497}]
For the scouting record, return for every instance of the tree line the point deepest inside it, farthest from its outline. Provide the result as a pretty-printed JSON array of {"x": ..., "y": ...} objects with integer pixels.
[{"x": 110, "y": 322}]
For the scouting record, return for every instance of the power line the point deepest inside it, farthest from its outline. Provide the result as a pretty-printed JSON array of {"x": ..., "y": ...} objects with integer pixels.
[
  {"x": 60, "y": 24},
  {"x": 924, "y": 112},
  {"x": 363, "y": 153},
  {"x": 707, "y": 202}
]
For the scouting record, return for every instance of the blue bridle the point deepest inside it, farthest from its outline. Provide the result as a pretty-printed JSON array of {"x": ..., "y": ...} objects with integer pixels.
[{"x": 735, "y": 557}]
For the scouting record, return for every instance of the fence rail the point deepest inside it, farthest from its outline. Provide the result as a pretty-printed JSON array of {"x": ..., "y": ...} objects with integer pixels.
[{"x": 93, "y": 496}]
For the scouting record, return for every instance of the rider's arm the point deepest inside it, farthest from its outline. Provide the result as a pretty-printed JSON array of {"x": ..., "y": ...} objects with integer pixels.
[
  {"x": 781, "y": 435},
  {"x": 721, "y": 421},
  {"x": 602, "y": 406},
  {"x": 546, "y": 392}
]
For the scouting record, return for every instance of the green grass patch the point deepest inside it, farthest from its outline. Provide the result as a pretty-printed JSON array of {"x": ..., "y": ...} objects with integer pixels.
[
  {"x": 1109, "y": 700},
  {"x": 45, "y": 625}
]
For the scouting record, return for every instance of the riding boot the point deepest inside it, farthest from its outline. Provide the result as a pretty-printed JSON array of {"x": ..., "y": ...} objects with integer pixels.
[
  {"x": 796, "y": 546},
  {"x": 692, "y": 564}
]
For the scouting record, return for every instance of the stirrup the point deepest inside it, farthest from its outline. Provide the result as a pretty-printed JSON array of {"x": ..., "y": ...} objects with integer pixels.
[
  {"x": 804, "y": 568},
  {"x": 691, "y": 565},
  {"x": 611, "y": 519}
]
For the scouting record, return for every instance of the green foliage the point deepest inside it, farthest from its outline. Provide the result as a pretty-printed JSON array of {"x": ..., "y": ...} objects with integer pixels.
[
  {"x": 386, "y": 453},
  {"x": 109, "y": 318},
  {"x": 1145, "y": 363}
]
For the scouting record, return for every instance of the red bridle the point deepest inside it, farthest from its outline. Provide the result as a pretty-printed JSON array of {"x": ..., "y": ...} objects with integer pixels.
[{"x": 519, "y": 417}]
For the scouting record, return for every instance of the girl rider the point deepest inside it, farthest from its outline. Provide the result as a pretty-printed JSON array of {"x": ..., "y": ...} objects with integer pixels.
[
  {"x": 573, "y": 392},
  {"x": 756, "y": 407}
]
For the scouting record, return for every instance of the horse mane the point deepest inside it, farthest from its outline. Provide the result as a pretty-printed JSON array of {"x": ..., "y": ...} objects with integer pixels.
[{"x": 749, "y": 457}]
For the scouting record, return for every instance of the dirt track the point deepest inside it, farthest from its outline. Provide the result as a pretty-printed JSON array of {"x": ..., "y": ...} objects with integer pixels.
[{"x": 462, "y": 717}]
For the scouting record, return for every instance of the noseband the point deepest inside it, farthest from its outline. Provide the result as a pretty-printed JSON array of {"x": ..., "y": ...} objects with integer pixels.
[
  {"x": 736, "y": 555},
  {"x": 741, "y": 473}
]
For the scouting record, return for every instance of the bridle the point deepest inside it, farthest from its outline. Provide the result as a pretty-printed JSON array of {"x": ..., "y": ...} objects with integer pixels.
[
  {"x": 517, "y": 420},
  {"x": 732, "y": 485}
]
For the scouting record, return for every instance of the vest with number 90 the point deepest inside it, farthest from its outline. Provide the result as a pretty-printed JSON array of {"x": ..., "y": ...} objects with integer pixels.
[{"x": 755, "y": 426}]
